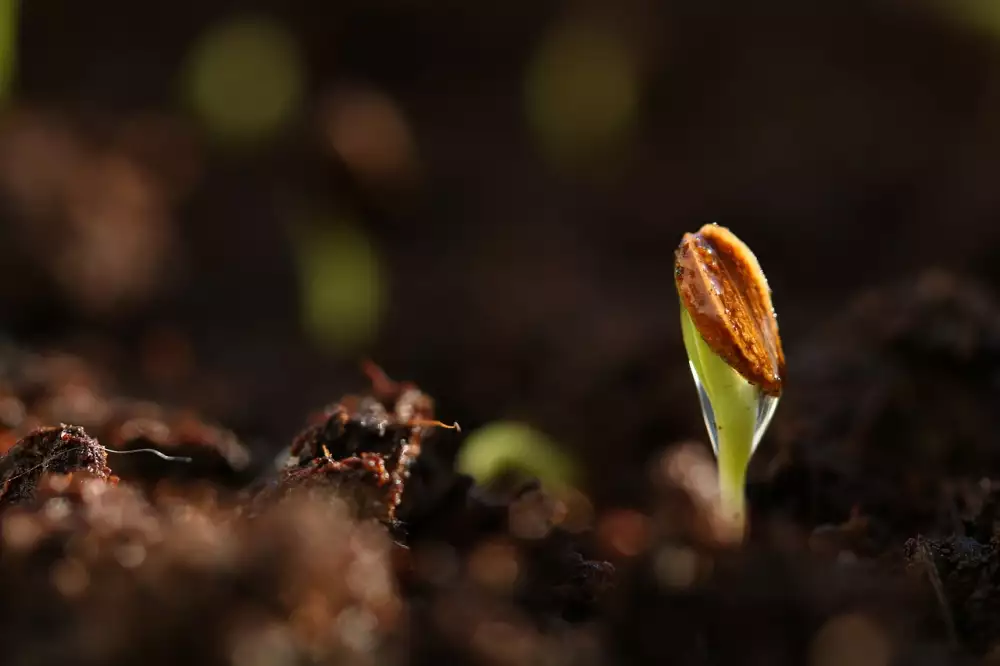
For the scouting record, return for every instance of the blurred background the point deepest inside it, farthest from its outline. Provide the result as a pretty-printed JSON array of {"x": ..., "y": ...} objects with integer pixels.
[{"x": 229, "y": 205}]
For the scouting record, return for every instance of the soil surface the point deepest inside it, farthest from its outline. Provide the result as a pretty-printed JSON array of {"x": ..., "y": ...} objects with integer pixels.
[{"x": 873, "y": 531}]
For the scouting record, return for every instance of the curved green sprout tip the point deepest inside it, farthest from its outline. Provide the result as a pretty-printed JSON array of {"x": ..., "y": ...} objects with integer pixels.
[
  {"x": 729, "y": 404},
  {"x": 504, "y": 446}
]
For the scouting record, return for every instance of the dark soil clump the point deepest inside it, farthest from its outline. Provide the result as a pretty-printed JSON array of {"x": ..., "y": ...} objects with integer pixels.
[
  {"x": 893, "y": 417},
  {"x": 60, "y": 450},
  {"x": 362, "y": 447}
]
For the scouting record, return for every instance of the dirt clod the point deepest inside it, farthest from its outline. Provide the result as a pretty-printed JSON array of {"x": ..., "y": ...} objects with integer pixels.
[{"x": 54, "y": 450}]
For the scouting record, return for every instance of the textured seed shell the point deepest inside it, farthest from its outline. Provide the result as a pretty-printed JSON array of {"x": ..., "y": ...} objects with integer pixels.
[{"x": 724, "y": 290}]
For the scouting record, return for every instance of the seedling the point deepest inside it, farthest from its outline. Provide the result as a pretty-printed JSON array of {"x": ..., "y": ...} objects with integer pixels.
[{"x": 732, "y": 342}]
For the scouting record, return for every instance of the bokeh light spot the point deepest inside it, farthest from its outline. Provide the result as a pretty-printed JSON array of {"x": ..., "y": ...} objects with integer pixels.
[
  {"x": 341, "y": 288},
  {"x": 9, "y": 21},
  {"x": 624, "y": 532},
  {"x": 582, "y": 94},
  {"x": 980, "y": 15},
  {"x": 851, "y": 639},
  {"x": 370, "y": 133},
  {"x": 245, "y": 78}
]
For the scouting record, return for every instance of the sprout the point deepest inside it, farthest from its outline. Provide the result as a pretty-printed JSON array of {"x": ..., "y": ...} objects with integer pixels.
[
  {"x": 731, "y": 336},
  {"x": 504, "y": 446}
]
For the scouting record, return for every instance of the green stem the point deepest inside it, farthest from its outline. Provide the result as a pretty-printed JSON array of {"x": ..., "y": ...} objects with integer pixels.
[
  {"x": 734, "y": 457},
  {"x": 733, "y": 402}
]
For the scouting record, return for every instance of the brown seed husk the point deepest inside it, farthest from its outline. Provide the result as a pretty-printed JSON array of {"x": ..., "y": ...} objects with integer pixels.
[{"x": 724, "y": 290}]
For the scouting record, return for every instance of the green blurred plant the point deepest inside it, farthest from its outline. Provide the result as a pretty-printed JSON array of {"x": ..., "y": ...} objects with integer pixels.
[
  {"x": 245, "y": 78},
  {"x": 9, "y": 22},
  {"x": 582, "y": 93},
  {"x": 340, "y": 281},
  {"x": 511, "y": 446}
]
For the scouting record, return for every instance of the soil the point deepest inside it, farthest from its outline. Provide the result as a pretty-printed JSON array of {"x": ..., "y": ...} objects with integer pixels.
[{"x": 873, "y": 531}]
